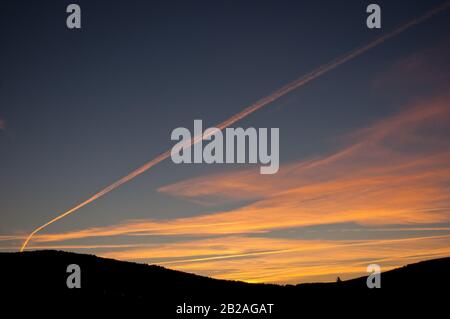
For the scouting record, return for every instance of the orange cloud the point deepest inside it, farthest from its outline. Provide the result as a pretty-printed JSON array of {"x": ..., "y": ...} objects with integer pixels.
[
  {"x": 287, "y": 260},
  {"x": 394, "y": 172}
]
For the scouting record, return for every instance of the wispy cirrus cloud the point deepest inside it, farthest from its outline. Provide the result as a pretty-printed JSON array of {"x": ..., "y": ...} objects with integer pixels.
[
  {"x": 394, "y": 172},
  {"x": 395, "y": 147},
  {"x": 277, "y": 260}
]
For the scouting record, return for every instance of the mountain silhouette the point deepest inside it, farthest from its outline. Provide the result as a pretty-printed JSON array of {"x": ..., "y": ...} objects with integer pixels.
[{"x": 39, "y": 277}]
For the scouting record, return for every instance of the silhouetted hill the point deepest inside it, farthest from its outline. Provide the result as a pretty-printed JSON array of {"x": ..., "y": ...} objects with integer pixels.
[{"x": 40, "y": 277}]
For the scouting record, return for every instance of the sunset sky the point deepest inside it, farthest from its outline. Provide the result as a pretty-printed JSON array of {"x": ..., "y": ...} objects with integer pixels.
[{"x": 364, "y": 149}]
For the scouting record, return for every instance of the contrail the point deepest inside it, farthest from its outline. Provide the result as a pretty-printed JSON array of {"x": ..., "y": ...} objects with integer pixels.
[{"x": 249, "y": 110}]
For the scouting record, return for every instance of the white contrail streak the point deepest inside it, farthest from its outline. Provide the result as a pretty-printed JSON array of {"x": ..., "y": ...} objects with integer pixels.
[{"x": 249, "y": 110}]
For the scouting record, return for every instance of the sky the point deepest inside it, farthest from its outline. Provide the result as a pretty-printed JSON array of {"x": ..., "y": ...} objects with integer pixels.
[{"x": 364, "y": 149}]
